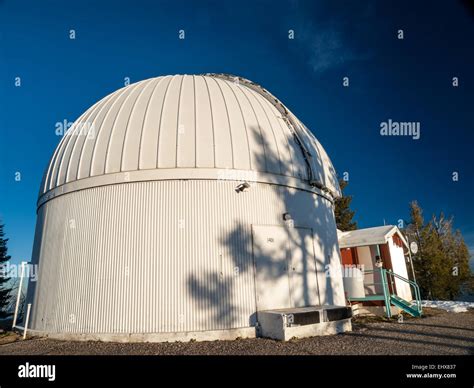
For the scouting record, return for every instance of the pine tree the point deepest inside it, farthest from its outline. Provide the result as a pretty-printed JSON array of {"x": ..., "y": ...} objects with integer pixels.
[
  {"x": 436, "y": 263},
  {"x": 5, "y": 285},
  {"x": 344, "y": 215},
  {"x": 456, "y": 256},
  {"x": 416, "y": 232},
  {"x": 462, "y": 261},
  {"x": 442, "y": 261}
]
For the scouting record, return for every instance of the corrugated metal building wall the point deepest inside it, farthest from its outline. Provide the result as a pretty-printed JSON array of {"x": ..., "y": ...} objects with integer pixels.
[{"x": 167, "y": 256}]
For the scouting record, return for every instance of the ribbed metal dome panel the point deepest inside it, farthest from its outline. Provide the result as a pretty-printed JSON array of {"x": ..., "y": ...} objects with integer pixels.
[{"x": 186, "y": 121}]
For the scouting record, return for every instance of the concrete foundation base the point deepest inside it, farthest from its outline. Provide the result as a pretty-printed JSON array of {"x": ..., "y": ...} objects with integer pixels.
[
  {"x": 380, "y": 311},
  {"x": 281, "y": 324},
  {"x": 285, "y": 324},
  {"x": 211, "y": 335}
]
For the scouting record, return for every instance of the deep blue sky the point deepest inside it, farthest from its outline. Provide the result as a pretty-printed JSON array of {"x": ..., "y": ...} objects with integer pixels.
[{"x": 402, "y": 80}]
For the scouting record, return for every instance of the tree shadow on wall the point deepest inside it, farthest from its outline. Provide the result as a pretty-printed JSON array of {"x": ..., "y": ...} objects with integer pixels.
[{"x": 219, "y": 294}]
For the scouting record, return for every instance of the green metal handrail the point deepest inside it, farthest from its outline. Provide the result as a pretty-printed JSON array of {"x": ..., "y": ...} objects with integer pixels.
[
  {"x": 387, "y": 276},
  {"x": 386, "y": 292},
  {"x": 384, "y": 283},
  {"x": 413, "y": 284}
]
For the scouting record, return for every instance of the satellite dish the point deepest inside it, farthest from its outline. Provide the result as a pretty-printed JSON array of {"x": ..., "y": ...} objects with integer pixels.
[{"x": 414, "y": 247}]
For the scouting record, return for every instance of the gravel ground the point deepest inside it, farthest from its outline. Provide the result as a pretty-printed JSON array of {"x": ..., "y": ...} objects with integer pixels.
[{"x": 437, "y": 333}]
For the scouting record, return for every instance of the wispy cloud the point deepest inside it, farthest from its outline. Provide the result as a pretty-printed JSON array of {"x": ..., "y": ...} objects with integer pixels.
[
  {"x": 325, "y": 38},
  {"x": 328, "y": 50}
]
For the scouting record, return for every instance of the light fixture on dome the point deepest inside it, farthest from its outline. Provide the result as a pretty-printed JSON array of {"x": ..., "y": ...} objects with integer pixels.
[{"x": 242, "y": 187}]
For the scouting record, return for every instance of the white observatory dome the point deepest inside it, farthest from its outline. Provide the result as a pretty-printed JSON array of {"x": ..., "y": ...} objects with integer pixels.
[{"x": 187, "y": 122}]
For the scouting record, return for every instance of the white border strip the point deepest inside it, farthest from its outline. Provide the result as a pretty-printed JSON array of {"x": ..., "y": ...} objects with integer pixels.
[{"x": 179, "y": 174}]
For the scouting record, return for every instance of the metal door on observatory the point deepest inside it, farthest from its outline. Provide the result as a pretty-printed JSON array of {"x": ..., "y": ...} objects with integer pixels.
[{"x": 285, "y": 267}]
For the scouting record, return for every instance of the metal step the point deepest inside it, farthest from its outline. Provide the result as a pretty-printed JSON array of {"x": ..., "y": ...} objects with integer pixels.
[
  {"x": 405, "y": 305},
  {"x": 367, "y": 298}
]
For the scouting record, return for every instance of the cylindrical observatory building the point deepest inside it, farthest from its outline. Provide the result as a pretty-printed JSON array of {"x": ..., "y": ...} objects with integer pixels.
[{"x": 182, "y": 207}]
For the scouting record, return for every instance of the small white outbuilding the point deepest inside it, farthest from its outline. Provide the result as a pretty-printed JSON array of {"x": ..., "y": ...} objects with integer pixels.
[
  {"x": 180, "y": 207},
  {"x": 382, "y": 255}
]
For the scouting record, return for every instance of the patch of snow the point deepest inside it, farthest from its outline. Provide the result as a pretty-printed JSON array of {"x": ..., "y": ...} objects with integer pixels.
[{"x": 448, "y": 305}]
